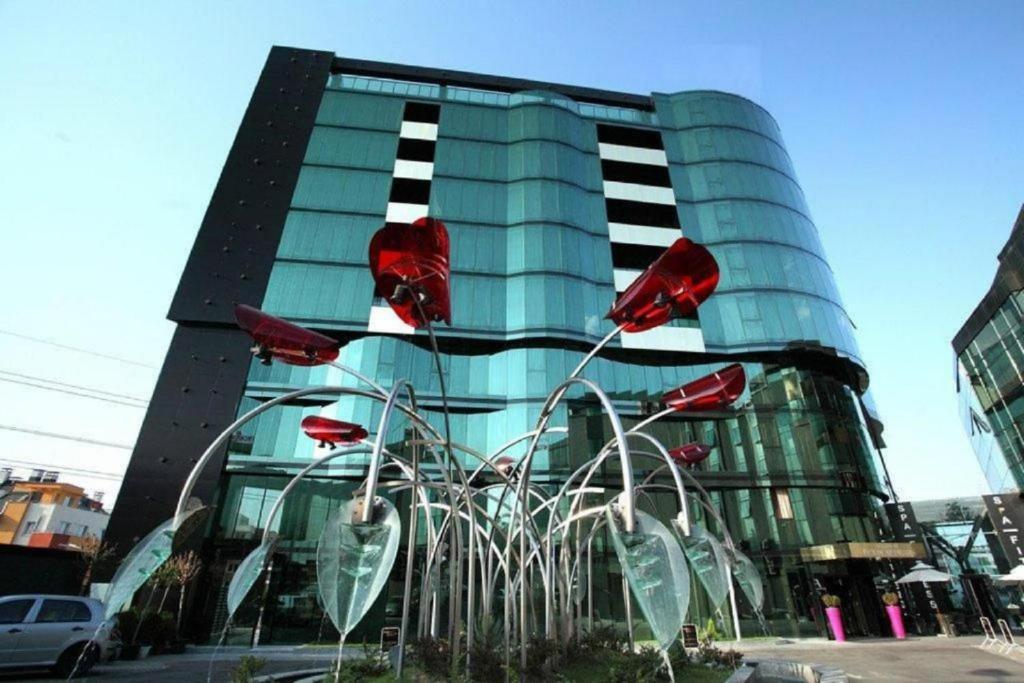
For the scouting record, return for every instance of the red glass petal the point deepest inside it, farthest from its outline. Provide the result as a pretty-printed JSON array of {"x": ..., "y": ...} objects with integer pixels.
[
  {"x": 672, "y": 287},
  {"x": 690, "y": 454},
  {"x": 288, "y": 342},
  {"x": 328, "y": 431},
  {"x": 711, "y": 392},
  {"x": 412, "y": 260},
  {"x": 505, "y": 464}
]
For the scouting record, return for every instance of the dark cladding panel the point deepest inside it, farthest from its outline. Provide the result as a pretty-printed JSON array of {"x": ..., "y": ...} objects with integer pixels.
[
  {"x": 234, "y": 252},
  {"x": 196, "y": 397}
]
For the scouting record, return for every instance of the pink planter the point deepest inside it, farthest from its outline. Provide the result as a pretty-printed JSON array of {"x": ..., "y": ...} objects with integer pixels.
[
  {"x": 896, "y": 621},
  {"x": 835, "y": 620}
]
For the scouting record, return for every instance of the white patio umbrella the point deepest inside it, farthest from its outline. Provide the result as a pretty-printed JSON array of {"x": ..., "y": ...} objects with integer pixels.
[
  {"x": 925, "y": 573},
  {"x": 1015, "y": 576}
]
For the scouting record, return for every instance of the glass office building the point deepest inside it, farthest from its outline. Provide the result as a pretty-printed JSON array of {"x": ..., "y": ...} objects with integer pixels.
[
  {"x": 555, "y": 198},
  {"x": 990, "y": 363}
]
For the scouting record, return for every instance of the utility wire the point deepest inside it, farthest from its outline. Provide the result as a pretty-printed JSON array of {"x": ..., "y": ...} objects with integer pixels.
[
  {"x": 66, "y": 437},
  {"x": 76, "y": 348},
  {"x": 73, "y": 386},
  {"x": 56, "y": 468},
  {"x": 71, "y": 393}
]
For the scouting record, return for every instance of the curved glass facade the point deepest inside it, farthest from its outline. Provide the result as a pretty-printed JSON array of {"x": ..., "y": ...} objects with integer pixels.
[
  {"x": 535, "y": 199},
  {"x": 992, "y": 410},
  {"x": 738, "y": 194}
]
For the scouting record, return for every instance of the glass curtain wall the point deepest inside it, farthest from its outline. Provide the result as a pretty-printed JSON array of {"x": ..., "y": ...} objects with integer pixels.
[{"x": 992, "y": 367}]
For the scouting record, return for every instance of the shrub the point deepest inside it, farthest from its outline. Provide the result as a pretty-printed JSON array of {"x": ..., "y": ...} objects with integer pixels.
[
  {"x": 247, "y": 668},
  {"x": 709, "y": 633},
  {"x": 128, "y": 625},
  {"x": 645, "y": 666},
  {"x": 156, "y": 629},
  {"x": 433, "y": 655},
  {"x": 604, "y": 637},
  {"x": 709, "y": 655},
  {"x": 487, "y": 655},
  {"x": 372, "y": 664}
]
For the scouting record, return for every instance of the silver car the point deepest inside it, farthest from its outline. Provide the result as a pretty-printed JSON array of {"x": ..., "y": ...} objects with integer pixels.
[{"x": 63, "y": 632}]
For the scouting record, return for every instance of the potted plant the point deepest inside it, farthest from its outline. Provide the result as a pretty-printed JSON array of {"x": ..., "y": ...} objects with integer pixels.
[
  {"x": 892, "y": 608},
  {"x": 835, "y": 616}
]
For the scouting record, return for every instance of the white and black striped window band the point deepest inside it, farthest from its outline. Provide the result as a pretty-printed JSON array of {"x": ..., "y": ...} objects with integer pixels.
[
  {"x": 410, "y": 191},
  {"x": 641, "y": 206},
  {"x": 414, "y": 163}
]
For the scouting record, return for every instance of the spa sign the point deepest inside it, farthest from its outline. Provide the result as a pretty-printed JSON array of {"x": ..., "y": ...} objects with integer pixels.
[{"x": 1007, "y": 514}]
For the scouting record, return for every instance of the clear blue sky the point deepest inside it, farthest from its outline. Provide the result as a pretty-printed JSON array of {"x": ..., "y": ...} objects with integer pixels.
[{"x": 903, "y": 120}]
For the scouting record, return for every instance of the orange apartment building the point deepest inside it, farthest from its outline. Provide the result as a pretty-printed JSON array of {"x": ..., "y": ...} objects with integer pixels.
[{"x": 49, "y": 514}]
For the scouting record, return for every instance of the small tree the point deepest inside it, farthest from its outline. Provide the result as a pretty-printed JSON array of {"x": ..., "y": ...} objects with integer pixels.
[
  {"x": 92, "y": 553},
  {"x": 164, "y": 577},
  {"x": 186, "y": 569}
]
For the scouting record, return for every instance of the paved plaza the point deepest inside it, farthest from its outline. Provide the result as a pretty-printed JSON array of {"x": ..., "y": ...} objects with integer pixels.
[{"x": 914, "y": 659}]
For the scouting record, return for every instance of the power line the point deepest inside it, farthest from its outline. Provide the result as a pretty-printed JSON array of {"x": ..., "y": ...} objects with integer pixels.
[
  {"x": 69, "y": 470},
  {"x": 66, "y": 437},
  {"x": 71, "y": 393},
  {"x": 76, "y": 348},
  {"x": 73, "y": 386}
]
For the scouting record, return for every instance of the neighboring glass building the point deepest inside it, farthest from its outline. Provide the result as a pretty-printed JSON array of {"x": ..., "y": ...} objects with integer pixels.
[
  {"x": 555, "y": 197},
  {"x": 990, "y": 379}
]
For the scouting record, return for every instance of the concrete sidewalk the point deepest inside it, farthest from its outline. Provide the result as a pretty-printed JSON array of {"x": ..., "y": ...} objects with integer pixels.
[{"x": 878, "y": 659}]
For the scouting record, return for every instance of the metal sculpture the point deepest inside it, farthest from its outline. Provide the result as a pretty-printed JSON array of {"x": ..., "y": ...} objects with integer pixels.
[{"x": 495, "y": 542}]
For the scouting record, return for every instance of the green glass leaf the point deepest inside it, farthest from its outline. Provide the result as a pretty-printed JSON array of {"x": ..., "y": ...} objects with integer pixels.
[
  {"x": 707, "y": 559},
  {"x": 353, "y": 561},
  {"x": 246, "y": 574},
  {"x": 656, "y": 571},
  {"x": 144, "y": 559},
  {"x": 748, "y": 578}
]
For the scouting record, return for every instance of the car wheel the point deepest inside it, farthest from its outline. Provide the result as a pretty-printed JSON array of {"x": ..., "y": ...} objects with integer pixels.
[{"x": 77, "y": 660}]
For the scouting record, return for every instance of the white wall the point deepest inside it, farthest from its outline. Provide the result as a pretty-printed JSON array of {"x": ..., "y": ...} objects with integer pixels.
[{"x": 49, "y": 518}]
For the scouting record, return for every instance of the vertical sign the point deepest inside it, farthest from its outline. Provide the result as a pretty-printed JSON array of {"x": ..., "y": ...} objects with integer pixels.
[
  {"x": 917, "y": 599},
  {"x": 1007, "y": 514},
  {"x": 903, "y": 522}
]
